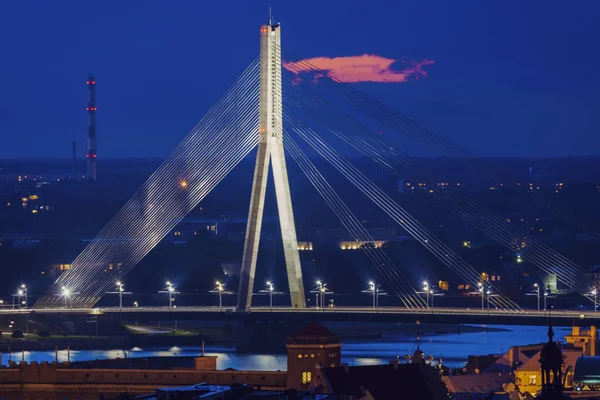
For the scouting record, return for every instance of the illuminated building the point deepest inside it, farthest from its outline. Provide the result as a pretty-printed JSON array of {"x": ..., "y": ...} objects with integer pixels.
[{"x": 312, "y": 345}]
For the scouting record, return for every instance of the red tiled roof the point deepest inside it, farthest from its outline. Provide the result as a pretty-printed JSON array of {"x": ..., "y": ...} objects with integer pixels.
[
  {"x": 480, "y": 383},
  {"x": 569, "y": 360},
  {"x": 315, "y": 329}
]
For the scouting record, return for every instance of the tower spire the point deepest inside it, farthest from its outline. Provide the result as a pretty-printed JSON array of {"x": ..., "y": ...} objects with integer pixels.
[{"x": 270, "y": 150}]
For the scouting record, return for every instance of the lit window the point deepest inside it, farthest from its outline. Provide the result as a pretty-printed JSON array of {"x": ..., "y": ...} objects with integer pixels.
[
  {"x": 533, "y": 379},
  {"x": 312, "y": 355},
  {"x": 299, "y": 355},
  {"x": 306, "y": 377}
]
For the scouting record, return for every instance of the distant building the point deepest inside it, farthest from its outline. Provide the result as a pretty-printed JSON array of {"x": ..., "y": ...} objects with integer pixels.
[
  {"x": 382, "y": 382},
  {"x": 312, "y": 345},
  {"x": 587, "y": 374}
]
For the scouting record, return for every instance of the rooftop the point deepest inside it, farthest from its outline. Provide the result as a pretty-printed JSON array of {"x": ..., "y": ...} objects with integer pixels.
[
  {"x": 414, "y": 381},
  {"x": 587, "y": 370},
  {"x": 314, "y": 329}
]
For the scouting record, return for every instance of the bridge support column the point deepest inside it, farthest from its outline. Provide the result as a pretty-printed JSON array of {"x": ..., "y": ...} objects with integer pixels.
[{"x": 270, "y": 149}]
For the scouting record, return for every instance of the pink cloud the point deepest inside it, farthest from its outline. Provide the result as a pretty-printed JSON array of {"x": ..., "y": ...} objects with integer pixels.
[{"x": 364, "y": 68}]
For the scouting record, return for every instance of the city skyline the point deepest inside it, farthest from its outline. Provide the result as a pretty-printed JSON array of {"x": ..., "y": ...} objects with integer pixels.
[{"x": 494, "y": 79}]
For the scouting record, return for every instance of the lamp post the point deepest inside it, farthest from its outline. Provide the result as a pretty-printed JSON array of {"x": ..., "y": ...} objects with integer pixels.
[
  {"x": 23, "y": 292},
  {"x": 320, "y": 291},
  {"x": 169, "y": 290},
  {"x": 120, "y": 290},
  {"x": 482, "y": 291},
  {"x": 489, "y": 293},
  {"x": 318, "y": 296},
  {"x": 270, "y": 289},
  {"x": 426, "y": 289},
  {"x": 375, "y": 291},
  {"x": 537, "y": 287},
  {"x": 220, "y": 287},
  {"x": 595, "y": 294},
  {"x": 545, "y": 299},
  {"x": 66, "y": 294}
]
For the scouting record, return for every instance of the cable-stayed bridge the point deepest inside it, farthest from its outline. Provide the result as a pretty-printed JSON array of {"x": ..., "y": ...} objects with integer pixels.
[{"x": 277, "y": 106}]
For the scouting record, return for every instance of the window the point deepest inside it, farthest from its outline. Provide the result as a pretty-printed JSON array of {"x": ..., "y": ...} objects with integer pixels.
[
  {"x": 299, "y": 355},
  {"x": 312, "y": 355},
  {"x": 306, "y": 377},
  {"x": 533, "y": 379}
]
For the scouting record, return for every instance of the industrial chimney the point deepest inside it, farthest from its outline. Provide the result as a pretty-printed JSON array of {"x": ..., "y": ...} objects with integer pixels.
[{"x": 91, "y": 110}]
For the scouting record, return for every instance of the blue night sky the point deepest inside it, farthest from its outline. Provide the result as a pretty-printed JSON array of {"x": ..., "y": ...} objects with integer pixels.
[{"x": 511, "y": 78}]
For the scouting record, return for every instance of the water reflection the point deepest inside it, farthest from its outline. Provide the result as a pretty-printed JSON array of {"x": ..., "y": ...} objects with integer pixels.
[{"x": 454, "y": 348}]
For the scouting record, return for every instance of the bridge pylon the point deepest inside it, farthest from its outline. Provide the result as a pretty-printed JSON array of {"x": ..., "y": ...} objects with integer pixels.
[{"x": 270, "y": 150}]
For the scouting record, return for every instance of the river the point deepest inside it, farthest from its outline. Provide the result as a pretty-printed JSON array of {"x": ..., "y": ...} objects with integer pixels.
[{"x": 454, "y": 348}]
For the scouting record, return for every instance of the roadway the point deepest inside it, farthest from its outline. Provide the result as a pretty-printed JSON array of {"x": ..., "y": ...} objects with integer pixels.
[{"x": 522, "y": 317}]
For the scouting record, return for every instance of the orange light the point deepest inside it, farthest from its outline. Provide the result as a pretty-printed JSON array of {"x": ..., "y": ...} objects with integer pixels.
[{"x": 183, "y": 184}]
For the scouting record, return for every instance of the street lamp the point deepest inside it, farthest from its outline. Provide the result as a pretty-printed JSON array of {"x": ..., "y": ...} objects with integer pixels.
[
  {"x": 320, "y": 291},
  {"x": 595, "y": 294},
  {"x": 545, "y": 299},
  {"x": 482, "y": 291},
  {"x": 489, "y": 293},
  {"x": 120, "y": 291},
  {"x": 376, "y": 291},
  {"x": 23, "y": 292},
  {"x": 170, "y": 290},
  {"x": 66, "y": 294},
  {"x": 537, "y": 287},
  {"x": 270, "y": 288},
  {"x": 427, "y": 290},
  {"x": 220, "y": 287},
  {"x": 320, "y": 286}
]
